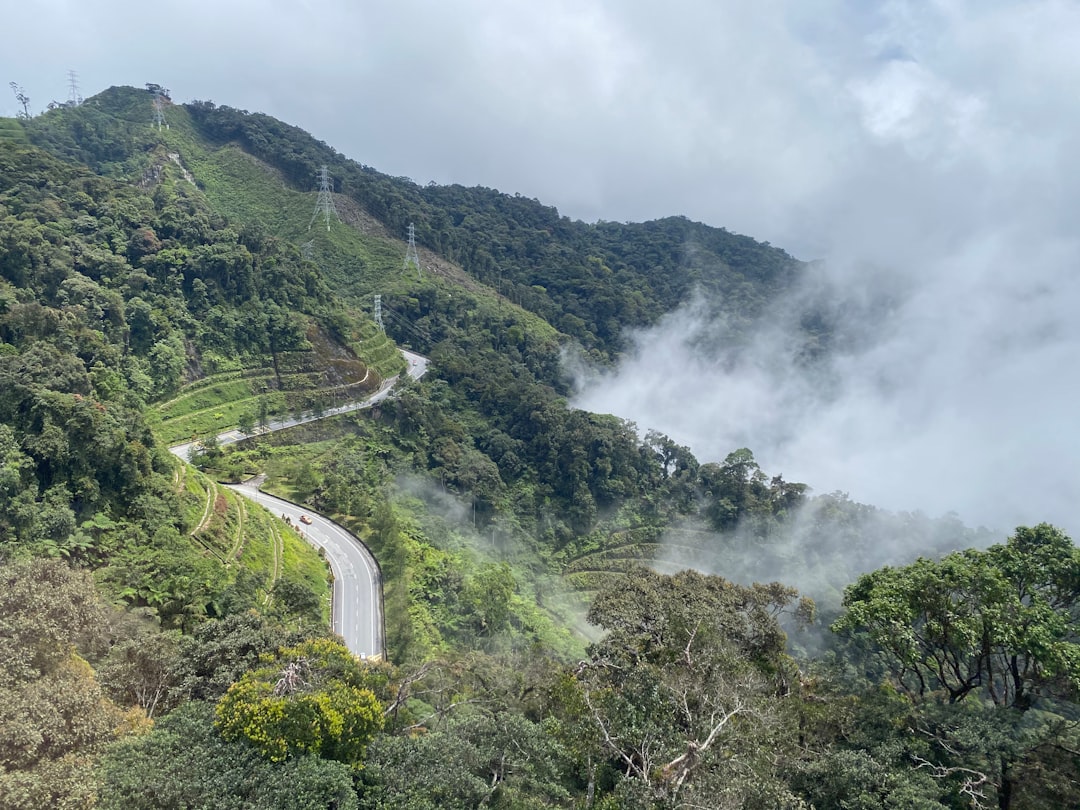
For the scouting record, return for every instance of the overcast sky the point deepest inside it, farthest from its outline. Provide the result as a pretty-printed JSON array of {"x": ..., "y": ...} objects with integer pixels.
[{"x": 935, "y": 142}]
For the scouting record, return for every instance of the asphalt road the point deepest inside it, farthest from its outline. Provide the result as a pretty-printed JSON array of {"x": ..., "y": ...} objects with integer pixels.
[
  {"x": 417, "y": 368},
  {"x": 358, "y": 608},
  {"x": 357, "y": 611}
]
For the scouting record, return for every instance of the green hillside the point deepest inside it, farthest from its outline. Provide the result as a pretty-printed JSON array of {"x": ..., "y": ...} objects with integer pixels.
[
  {"x": 574, "y": 497},
  {"x": 12, "y": 130},
  {"x": 164, "y": 643},
  {"x": 590, "y": 281},
  {"x": 106, "y": 307}
]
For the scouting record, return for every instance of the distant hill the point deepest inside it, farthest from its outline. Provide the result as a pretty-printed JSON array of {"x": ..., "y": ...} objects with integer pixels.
[
  {"x": 182, "y": 274},
  {"x": 591, "y": 282}
]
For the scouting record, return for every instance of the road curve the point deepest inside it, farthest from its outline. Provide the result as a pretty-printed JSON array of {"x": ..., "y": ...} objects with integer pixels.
[
  {"x": 418, "y": 365},
  {"x": 357, "y": 614}
]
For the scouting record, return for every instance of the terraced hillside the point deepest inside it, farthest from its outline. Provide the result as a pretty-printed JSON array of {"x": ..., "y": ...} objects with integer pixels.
[
  {"x": 262, "y": 556},
  {"x": 286, "y": 383}
]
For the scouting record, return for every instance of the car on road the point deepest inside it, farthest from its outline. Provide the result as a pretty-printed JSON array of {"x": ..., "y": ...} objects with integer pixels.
[{"x": 305, "y": 519}]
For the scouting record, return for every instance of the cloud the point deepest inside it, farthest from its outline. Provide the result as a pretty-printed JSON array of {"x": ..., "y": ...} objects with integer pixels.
[
  {"x": 956, "y": 390},
  {"x": 949, "y": 251},
  {"x": 926, "y": 147}
]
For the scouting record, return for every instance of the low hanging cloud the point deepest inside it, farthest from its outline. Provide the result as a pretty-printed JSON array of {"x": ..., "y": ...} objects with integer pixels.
[
  {"x": 949, "y": 260},
  {"x": 927, "y": 153},
  {"x": 954, "y": 388}
]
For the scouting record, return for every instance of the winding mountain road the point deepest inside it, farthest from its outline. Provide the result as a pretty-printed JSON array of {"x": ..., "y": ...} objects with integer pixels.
[
  {"x": 357, "y": 610},
  {"x": 357, "y": 614},
  {"x": 417, "y": 368}
]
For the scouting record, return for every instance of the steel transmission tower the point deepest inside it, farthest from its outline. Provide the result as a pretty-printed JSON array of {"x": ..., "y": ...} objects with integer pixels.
[
  {"x": 74, "y": 99},
  {"x": 307, "y": 250},
  {"x": 159, "y": 112},
  {"x": 378, "y": 313},
  {"x": 160, "y": 97},
  {"x": 411, "y": 256},
  {"x": 325, "y": 204}
]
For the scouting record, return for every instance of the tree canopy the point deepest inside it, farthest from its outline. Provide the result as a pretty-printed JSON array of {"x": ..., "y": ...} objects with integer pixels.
[
  {"x": 996, "y": 623},
  {"x": 312, "y": 700}
]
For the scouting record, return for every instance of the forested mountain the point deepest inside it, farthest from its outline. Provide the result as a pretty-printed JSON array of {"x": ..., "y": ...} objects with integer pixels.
[{"x": 166, "y": 646}]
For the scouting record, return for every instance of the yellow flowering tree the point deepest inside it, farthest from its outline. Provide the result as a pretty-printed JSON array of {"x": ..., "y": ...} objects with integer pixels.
[{"x": 312, "y": 699}]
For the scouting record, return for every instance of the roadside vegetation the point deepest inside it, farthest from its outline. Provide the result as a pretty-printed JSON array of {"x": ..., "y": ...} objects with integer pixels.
[{"x": 552, "y": 639}]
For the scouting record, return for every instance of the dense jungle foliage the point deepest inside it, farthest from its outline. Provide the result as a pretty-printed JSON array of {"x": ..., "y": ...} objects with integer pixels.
[
  {"x": 591, "y": 282},
  {"x": 162, "y": 645}
]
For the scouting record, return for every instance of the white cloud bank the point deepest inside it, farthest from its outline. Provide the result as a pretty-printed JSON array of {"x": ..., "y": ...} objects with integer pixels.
[
  {"x": 960, "y": 187},
  {"x": 934, "y": 140}
]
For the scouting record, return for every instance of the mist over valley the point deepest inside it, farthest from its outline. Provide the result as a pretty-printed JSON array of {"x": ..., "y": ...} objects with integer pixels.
[{"x": 720, "y": 473}]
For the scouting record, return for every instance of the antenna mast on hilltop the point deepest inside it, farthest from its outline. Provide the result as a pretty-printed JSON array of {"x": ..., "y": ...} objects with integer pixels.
[
  {"x": 325, "y": 204},
  {"x": 411, "y": 256},
  {"x": 74, "y": 99}
]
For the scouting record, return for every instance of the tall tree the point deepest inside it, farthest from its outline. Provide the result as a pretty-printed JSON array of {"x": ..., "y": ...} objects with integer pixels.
[
  {"x": 1000, "y": 623},
  {"x": 996, "y": 628},
  {"x": 690, "y": 680},
  {"x": 314, "y": 699}
]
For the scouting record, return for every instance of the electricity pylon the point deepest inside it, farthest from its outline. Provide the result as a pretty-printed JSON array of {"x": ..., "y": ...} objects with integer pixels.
[
  {"x": 160, "y": 96},
  {"x": 325, "y": 204},
  {"x": 74, "y": 99},
  {"x": 159, "y": 112},
  {"x": 411, "y": 256}
]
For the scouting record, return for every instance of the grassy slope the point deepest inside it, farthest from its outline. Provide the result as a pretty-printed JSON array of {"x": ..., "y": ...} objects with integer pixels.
[
  {"x": 358, "y": 259},
  {"x": 356, "y": 255},
  {"x": 246, "y": 191},
  {"x": 237, "y": 533}
]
